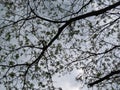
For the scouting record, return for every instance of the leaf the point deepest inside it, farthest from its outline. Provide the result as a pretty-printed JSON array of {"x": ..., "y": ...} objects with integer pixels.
[
  {"x": 60, "y": 9},
  {"x": 47, "y": 33},
  {"x": 41, "y": 84},
  {"x": 12, "y": 74},
  {"x": 94, "y": 36},
  {"x": 17, "y": 56},
  {"x": 57, "y": 63},
  {"x": 0, "y": 48},
  {"x": 11, "y": 63},
  {"x": 8, "y": 36},
  {"x": 98, "y": 74}
]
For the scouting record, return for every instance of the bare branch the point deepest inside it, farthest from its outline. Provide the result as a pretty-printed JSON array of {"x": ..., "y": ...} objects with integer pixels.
[
  {"x": 95, "y": 13},
  {"x": 15, "y": 22},
  {"x": 29, "y": 46},
  {"x": 104, "y": 78},
  {"x": 11, "y": 66},
  {"x": 106, "y": 51},
  {"x": 37, "y": 16},
  {"x": 84, "y": 6},
  {"x": 79, "y": 9}
]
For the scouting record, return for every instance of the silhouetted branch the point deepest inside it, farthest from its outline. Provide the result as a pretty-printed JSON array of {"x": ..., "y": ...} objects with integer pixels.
[
  {"x": 28, "y": 46},
  {"x": 79, "y": 9},
  {"x": 16, "y": 65},
  {"x": 95, "y": 13},
  {"x": 106, "y": 51},
  {"x": 42, "y": 18},
  {"x": 104, "y": 78},
  {"x": 17, "y": 21},
  {"x": 84, "y": 6}
]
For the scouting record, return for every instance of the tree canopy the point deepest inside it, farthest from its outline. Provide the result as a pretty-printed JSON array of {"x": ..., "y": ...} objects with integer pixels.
[{"x": 39, "y": 38}]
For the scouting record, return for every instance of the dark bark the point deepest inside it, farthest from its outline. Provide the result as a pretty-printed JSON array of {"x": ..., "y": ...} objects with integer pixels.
[{"x": 104, "y": 78}]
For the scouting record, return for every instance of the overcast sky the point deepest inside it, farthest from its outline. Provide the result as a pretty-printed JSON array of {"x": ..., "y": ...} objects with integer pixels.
[{"x": 67, "y": 81}]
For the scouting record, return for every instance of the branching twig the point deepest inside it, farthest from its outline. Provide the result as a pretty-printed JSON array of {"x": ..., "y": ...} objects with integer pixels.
[
  {"x": 29, "y": 46},
  {"x": 53, "y": 21},
  {"x": 106, "y": 51},
  {"x": 16, "y": 65}
]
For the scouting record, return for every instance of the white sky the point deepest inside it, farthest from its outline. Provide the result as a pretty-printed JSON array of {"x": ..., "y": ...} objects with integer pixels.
[{"x": 67, "y": 81}]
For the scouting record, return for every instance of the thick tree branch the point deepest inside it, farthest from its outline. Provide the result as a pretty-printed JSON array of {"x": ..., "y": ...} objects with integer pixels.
[
  {"x": 104, "y": 78},
  {"x": 95, "y": 13},
  {"x": 79, "y": 9}
]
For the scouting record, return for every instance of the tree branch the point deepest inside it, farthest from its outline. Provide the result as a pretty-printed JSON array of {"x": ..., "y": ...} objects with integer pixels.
[
  {"x": 27, "y": 46},
  {"x": 95, "y": 13},
  {"x": 104, "y": 78},
  {"x": 53, "y": 21},
  {"x": 106, "y": 51},
  {"x": 16, "y": 65}
]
